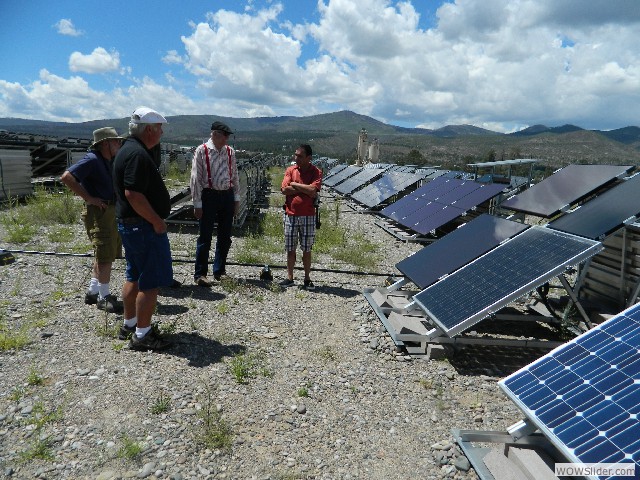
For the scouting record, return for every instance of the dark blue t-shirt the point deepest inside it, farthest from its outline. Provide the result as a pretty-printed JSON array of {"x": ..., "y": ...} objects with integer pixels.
[{"x": 93, "y": 172}]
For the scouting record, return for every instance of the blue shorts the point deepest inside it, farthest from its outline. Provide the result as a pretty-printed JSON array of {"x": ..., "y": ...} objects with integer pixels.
[
  {"x": 299, "y": 229},
  {"x": 148, "y": 256}
]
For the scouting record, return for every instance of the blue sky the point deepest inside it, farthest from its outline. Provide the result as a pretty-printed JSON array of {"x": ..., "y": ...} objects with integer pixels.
[{"x": 498, "y": 64}]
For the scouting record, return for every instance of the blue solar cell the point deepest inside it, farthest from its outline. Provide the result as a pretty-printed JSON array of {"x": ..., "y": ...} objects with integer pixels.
[
  {"x": 479, "y": 196},
  {"x": 500, "y": 276},
  {"x": 596, "y": 419}
]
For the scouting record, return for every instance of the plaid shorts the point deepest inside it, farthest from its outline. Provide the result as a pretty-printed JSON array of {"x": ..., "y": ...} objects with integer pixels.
[
  {"x": 102, "y": 230},
  {"x": 299, "y": 229}
]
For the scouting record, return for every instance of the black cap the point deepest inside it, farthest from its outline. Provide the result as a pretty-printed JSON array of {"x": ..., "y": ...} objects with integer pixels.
[{"x": 221, "y": 127}]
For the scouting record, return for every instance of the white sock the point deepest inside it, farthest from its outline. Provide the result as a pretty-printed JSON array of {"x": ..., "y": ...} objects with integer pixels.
[
  {"x": 141, "y": 332},
  {"x": 103, "y": 289},
  {"x": 132, "y": 322},
  {"x": 93, "y": 286}
]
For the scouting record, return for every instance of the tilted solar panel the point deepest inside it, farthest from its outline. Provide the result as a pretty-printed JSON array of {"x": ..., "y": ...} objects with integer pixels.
[
  {"x": 384, "y": 188},
  {"x": 500, "y": 276},
  {"x": 363, "y": 176},
  {"x": 585, "y": 395},
  {"x": 565, "y": 187},
  {"x": 457, "y": 248},
  {"x": 478, "y": 196},
  {"x": 341, "y": 176},
  {"x": 430, "y": 217},
  {"x": 604, "y": 214}
]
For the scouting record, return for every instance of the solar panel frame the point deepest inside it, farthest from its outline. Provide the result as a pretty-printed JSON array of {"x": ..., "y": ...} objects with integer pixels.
[
  {"x": 457, "y": 248},
  {"x": 584, "y": 396},
  {"x": 604, "y": 214},
  {"x": 566, "y": 187},
  {"x": 492, "y": 271}
]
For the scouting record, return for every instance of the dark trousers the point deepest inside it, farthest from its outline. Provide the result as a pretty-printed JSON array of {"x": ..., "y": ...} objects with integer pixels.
[{"x": 217, "y": 207}]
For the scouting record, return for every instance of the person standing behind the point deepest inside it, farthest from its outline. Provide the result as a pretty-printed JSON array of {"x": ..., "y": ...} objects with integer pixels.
[
  {"x": 91, "y": 179},
  {"x": 142, "y": 204},
  {"x": 215, "y": 191},
  {"x": 300, "y": 185}
]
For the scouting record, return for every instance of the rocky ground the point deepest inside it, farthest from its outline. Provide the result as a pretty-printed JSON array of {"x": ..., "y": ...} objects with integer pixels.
[{"x": 261, "y": 383}]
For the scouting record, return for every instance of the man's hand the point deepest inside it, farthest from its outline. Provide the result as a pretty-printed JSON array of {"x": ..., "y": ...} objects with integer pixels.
[
  {"x": 197, "y": 212},
  {"x": 236, "y": 207},
  {"x": 160, "y": 227}
]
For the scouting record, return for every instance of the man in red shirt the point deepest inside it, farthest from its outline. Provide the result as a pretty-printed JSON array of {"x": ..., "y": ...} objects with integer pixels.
[{"x": 300, "y": 185}]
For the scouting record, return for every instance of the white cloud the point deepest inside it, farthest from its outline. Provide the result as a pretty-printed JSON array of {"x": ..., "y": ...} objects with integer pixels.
[
  {"x": 66, "y": 27},
  {"x": 98, "y": 61},
  {"x": 71, "y": 99}
]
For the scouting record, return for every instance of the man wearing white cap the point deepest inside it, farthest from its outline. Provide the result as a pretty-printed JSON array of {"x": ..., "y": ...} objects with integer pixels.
[
  {"x": 142, "y": 204},
  {"x": 91, "y": 180}
]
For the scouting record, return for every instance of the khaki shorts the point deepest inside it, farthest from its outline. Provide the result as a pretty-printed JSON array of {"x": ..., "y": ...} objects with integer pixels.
[{"x": 102, "y": 231}]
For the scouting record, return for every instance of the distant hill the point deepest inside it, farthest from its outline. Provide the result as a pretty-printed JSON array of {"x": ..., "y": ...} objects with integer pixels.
[{"x": 336, "y": 135}]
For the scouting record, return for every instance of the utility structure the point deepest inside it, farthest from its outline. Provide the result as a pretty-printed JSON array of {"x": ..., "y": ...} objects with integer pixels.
[{"x": 361, "y": 152}]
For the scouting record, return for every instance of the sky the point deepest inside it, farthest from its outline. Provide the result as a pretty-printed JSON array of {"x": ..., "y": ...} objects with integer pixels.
[{"x": 497, "y": 64}]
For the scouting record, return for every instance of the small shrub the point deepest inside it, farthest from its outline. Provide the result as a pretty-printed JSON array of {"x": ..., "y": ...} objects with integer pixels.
[
  {"x": 130, "y": 449},
  {"x": 215, "y": 432},
  {"x": 34, "y": 378},
  {"x": 161, "y": 405}
]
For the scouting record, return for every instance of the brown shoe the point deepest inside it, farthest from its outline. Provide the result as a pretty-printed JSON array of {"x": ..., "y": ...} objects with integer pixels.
[{"x": 204, "y": 282}]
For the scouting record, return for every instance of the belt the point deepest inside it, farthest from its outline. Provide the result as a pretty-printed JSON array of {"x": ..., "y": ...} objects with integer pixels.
[
  {"x": 213, "y": 190},
  {"x": 131, "y": 220},
  {"x": 106, "y": 202}
]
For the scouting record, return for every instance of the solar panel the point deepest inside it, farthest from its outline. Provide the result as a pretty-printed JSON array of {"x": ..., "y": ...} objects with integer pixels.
[
  {"x": 457, "y": 248},
  {"x": 341, "y": 176},
  {"x": 356, "y": 181},
  {"x": 478, "y": 196},
  {"x": 500, "y": 276},
  {"x": 565, "y": 187},
  {"x": 334, "y": 170},
  {"x": 604, "y": 214},
  {"x": 430, "y": 217},
  {"x": 584, "y": 396},
  {"x": 384, "y": 188}
]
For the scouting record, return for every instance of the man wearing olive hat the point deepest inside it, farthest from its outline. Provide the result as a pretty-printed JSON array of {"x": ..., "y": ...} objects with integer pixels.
[
  {"x": 91, "y": 179},
  {"x": 215, "y": 190}
]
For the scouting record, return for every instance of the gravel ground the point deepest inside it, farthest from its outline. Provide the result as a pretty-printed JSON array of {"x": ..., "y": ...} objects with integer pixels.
[{"x": 326, "y": 393}]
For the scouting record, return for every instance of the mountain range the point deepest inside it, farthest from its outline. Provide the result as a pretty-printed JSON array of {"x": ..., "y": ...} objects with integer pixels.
[{"x": 336, "y": 135}]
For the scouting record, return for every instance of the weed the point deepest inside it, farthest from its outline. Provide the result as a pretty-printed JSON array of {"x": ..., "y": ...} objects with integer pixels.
[
  {"x": 130, "y": 449},
  {"x": 223, "y": 308},
  {"x": 117, "y": 346},
  {"x": 60, "y": 234},
  {"x": 161, "y": 405},
  {"x": 34, "y": 378},
  {"x": 326, "y": 353},
  {"x": 40, "y": 448},
  {"x": 215, "y": 432},
  {"x": 12, "y": 339},
  {"x": 168, "y": 328},
  {"x": 303, "y": 392},
  {"x": 106, "y": 329},
  {"x": 246, "y": 366},
  {"x": 17, "y": 394},
  {"x": 40, "y": 417}
]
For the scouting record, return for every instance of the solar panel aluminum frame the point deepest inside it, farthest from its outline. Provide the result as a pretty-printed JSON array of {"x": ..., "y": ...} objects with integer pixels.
[{"x": 594, "y": 248}]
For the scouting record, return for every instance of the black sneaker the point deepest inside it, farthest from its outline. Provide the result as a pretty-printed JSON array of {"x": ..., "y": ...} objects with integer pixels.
[
  {"x": 90, "y": 298},
  {"x": 204, "y": 282},
  {"x": 110, "y": 305},
  {"x": 308, "y": 285},
  {"x": 287, "y": 283},
  {"x": 151, "y": 341},
  {"x": 126, "y": 332}
]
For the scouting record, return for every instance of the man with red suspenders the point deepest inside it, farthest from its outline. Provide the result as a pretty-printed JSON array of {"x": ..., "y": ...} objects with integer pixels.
[{"x": 215, "y": 191}]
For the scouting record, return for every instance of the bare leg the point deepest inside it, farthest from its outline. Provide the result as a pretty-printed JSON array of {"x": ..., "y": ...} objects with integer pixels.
[
  {"x": 102, "y": 272},
  {"x": 291, "y": 261},
  {"x": 129, "y": 294},
  {"x": 306, "y": 263},
  {"x": 145, "y": 306}
]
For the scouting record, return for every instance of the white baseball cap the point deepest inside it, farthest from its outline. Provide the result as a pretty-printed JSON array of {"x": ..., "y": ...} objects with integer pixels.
[{"x": 146, "y": 115}]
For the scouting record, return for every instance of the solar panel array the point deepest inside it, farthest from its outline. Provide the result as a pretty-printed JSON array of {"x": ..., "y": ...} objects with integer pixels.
[
  {"x": 500, "y": 276},
  {"x": 358, "y": 180},
  {"x": 334, "y": 170},
  {"x": 386, "y": 187},
  {"x": 438, "y": 202},
  {"x": 458, "y": 248},
  {"x": 585, "y": 395},
  {"x": 564, "y": 188},
  {"x": 341, "y": 176},
  {"x": 604, "y": 214}
]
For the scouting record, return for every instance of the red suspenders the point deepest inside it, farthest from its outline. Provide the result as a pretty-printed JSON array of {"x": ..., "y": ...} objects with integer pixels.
[{"x": 206, "y": 153}]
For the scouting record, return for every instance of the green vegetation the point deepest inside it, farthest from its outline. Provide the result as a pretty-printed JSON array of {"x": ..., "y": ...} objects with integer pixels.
[
  {"x": 246, "y": 366},
  {"x": 214, "y": 432},
  {"x": 161, "y": 405},
  {"x": 34, "y": 378},
  {"x": 130, "y": 449},
  {"x": 12, "y": 338},
  {"x": 326, "y": 353}
]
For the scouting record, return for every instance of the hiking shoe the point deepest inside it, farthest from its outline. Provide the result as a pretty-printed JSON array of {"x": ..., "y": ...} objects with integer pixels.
[
  {"x": 287, "y": 283},
  {"x": 151, "y": 341},
  {"x": 110, "y": 305},
  {"x": 90, "y": 298},
  {"x": 308, "y": 285},
  {"x": 204, "y": 282},
  {"x": 125, "y": 332},
  {"x": 218, "y": 276}
]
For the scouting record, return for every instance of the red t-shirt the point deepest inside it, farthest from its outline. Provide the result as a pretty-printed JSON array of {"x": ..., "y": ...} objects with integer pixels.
[{"x": 301, "y": 205}]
